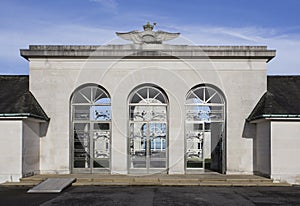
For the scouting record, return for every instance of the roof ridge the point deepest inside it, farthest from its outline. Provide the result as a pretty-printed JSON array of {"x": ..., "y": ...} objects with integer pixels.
[
  {"x": 289, "y": 75},
  {"x": 14, "y": 75}
]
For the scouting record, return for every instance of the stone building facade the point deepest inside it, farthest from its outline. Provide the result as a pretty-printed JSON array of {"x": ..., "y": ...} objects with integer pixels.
[{"x": 148, "y": 107}]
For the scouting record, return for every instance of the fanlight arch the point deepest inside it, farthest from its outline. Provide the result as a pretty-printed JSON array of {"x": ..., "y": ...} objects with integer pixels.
[
  {"x": 148, "y": 94},
  {"x": 205, "y": 103}
]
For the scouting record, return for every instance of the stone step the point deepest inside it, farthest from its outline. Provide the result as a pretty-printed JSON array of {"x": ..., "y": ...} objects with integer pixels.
[
  {"x": 159, "y": 183},
  {"x": 27, "y": 183},
  {"x": 196, "y": 180},
  {"x": 176, "y": 183},
  {"x": 32, "y": 179}
]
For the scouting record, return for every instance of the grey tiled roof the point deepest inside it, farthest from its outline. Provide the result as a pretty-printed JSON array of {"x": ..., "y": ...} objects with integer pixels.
[
  {"x": 16, "y": 100},
  {"x": 282, "y": 99}
]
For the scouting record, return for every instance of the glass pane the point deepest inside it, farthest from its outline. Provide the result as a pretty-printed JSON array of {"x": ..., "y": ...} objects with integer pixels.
[
  {"x": 136, "y": 99},
  {"x": 201, "y": 126},
  {"x": 158, "y": 113},
  {"x": 160, "y": 99},
  {"x": 132, "y": 114},
  {"x": 101, "y": 163},
  {"x": 103, "y": 101},
  {"x": 79, "y": 98},
  {"x": 86, "y": 93},
  {"x": 102, "y": 127},
  {"x": 194, "y": 147},
  {"x": 157, "y": 139},
  {"x": 216, "y": 99},
  {"x": 216, "y": 113},
  {"x": 198, "y": 113},
  {"x": 143, "y": 93},
  {"x": 199, "y": 94},
  {"x": 81, "y": 145},
  {"x": 81, "y": 112},
  {"x": 82, "y": 96},
  {"x": 197, "y": 127},
  {"x": 101, "y": 145},
  {"x": 138, "y": 145},
  {"x": 97, "y": 93},
  {"x": 139, "y": 113},
  {"x": 193, "y": 100},
  {"x": 148, "y": 113},
  {"x": 101, "y": 113},
  {"x": 206, "y": 126}
]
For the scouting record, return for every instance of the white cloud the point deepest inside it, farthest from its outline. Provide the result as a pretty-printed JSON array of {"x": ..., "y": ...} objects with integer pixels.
[
  {"x": 287, "y": 45},
  {"x": 12, "y": 41}
]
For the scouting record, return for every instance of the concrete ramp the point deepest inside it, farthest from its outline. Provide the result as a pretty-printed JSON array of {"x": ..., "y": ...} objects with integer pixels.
[{"x": 52, "y": 185}]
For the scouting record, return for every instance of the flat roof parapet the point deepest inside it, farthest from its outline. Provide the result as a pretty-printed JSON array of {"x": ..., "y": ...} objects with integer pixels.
[{"x": 147, "y": 51}]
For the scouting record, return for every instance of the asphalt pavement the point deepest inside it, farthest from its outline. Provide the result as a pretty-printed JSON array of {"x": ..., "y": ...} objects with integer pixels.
[{"x": 153, "y": 195}]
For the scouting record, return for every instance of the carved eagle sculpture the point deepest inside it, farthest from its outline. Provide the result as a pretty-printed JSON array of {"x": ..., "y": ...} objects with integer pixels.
[{"x": 147, "y": 36}]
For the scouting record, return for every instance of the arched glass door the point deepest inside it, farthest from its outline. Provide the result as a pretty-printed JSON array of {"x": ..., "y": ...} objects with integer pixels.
[
  {"x": 148, "y": 130},
  {"x": 91, "y": 130},
  {"x": 205, "y": 130}
]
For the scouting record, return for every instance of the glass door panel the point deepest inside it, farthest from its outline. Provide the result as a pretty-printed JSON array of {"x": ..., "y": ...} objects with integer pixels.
[
  {"x": 194, "y": 145},
  {"x": 81, "y": 145},
  {"x": 138, "y": 145},
  {"x": 148, "y": 145},
  {"x": 101, "y": 145},
  {"x": 157, "y": 139}
]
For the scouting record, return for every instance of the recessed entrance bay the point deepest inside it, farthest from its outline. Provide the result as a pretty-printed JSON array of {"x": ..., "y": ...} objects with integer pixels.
[
  {"x": 148, "y": 130},
  {"x": 91, "y": 128},
  {"x": 204, "y": 130}
]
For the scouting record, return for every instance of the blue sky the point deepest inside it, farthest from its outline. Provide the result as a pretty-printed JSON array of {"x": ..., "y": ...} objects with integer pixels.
[{"x": 274, "y": 23}]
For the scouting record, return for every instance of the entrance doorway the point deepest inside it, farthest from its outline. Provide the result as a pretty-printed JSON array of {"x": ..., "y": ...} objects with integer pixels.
[
  {"x": 148, "y": 131},
  {"x": 148, "y": 146},
  {"x": 205, "y": 130},
  {"x": 91, "y": 130}
]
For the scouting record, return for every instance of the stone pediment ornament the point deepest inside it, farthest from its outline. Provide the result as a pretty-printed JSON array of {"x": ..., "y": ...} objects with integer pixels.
[{"x": 148, "y": 36}]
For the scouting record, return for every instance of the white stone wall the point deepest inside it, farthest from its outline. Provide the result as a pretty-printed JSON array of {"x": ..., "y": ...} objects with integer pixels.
[
  {"x": 31, "y": 148},
  {"x": 52, "y": 82},
  {"x": 285, "y": 144},
  {"x": 262, "y": 163},
  {"x": 10, "y": 150}
]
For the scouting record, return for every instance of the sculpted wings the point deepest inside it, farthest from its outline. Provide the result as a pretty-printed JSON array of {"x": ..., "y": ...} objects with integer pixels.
[
  {"x": 131, "y": 36},
  {"x": 147, "y": 37},
  {"x": 165, "y": 36}
]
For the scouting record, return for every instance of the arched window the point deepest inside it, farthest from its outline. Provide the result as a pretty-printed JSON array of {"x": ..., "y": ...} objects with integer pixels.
[
  {"x": 204, "y": 128},
  {"x": 148, "y": 129},
  {"x": 91, "y": 129}
]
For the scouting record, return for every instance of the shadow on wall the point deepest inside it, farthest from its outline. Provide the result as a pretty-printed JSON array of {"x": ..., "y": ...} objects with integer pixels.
[
  {"x": 249, "y": 132},
  {"x": 44, "y": 128}
]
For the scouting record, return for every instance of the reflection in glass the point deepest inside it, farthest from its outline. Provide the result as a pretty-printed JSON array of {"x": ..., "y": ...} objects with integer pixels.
[
  {"x": 81, "y": 146},
  {"x": 205, "y": 109},
  {"x": 91, "y": 116},
  {"x": 194, "y": 148},
  {"x": 148, "y": 129}
]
